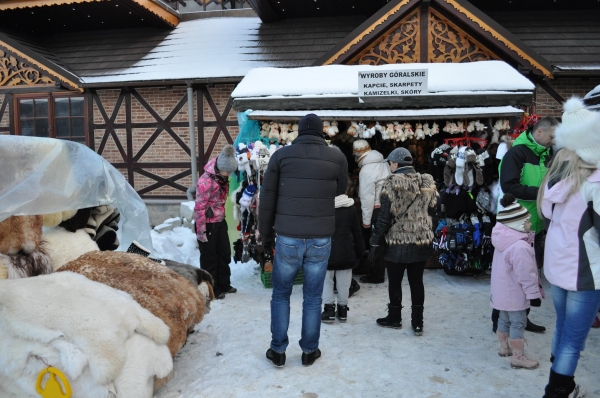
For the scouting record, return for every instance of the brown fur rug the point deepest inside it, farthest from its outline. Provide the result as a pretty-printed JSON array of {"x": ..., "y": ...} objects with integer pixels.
[
  {"x": 169, "y": 296},
  {"x": 22, "y": 251}
]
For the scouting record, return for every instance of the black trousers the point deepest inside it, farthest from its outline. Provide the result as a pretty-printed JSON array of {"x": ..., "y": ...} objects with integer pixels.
[
  {"x": 377, "y": 269},
  {"x": 415, "y": 280},
  {"x": 215, "y": 255}
]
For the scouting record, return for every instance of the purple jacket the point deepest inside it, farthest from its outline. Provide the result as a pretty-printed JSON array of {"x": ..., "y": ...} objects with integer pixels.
[
  {"x": 514, "y": 271},
  {"x": 572, "y": 254}
]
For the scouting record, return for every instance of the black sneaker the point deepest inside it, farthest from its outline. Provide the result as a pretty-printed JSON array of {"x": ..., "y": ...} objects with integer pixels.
[
  {"x": 328, "y": 315},
  {"x": 418, "y": 330},
  {"x": 342, "y": 312},
  {"x": 219, "y": 295},
  {"x": 276, "y": 358},
  {"x": 231, "y": 290},
  {"x": 310, "y": 357}
]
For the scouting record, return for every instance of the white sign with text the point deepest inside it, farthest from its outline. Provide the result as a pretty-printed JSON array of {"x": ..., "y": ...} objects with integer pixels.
[{"x": 392, "y": 83}]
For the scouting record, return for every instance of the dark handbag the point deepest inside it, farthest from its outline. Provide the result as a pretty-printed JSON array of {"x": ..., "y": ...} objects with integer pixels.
[{"x": 209, "y": 213}]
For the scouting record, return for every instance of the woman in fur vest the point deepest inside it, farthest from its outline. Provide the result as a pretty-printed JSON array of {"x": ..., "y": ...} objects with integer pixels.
[
  {"x": 211, "y": 228},
  {"x": 405, "y": 223},
  {"x": 569, "y": 201}
]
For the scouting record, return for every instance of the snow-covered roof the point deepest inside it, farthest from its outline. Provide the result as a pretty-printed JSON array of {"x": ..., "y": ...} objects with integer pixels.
[
  {"x": 332, "y": 80},
  {"x": 206, "y": 48},
  {"x": 393, "y": 114}
]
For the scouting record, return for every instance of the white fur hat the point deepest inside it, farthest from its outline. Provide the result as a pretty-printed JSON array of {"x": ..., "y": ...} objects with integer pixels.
[{"x": 580, "y": 131}]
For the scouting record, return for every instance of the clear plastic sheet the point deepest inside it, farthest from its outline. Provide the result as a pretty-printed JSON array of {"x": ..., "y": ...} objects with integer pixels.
[{"x": 45, "y": 175}]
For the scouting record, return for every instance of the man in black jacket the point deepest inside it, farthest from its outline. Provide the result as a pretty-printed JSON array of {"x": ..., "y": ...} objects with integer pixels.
[{"x": 297, "y": 201}]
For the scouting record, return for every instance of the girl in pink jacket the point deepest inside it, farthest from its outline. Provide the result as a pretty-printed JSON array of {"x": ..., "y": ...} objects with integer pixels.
[
  {"x": 514, "y": 279},
  {"x": 569, "y": 200},
  {"x": 211, "y": 228}
]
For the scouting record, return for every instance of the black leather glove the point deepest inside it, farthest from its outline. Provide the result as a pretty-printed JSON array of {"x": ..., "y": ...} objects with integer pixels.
[
  {"x": 268, "y": 246},
  {"x": 372, "y": 254},
  {"x": 535, "y": 302}
]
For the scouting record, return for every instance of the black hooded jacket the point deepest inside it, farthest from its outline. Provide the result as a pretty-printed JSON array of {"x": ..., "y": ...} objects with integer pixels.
[{"x": 297, "y": 197}]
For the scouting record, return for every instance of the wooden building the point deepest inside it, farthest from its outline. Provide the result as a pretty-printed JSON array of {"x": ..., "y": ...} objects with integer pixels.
[{"x": 119, "y": 75}]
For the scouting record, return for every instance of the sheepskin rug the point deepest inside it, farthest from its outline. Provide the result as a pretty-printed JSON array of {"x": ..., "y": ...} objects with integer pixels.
[
  {"x": 100, "y": 338},
  {"x": 63, "y": 246},
  {"x": 163, "y": 292}
]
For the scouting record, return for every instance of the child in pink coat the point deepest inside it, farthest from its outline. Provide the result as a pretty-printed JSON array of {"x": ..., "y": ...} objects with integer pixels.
[{"x": 514, "y": 284}]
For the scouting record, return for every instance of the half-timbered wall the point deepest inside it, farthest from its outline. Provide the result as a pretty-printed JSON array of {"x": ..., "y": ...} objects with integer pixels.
[
  {"x": 144, "y": 133},
  {"x": 4, "y": 114}
]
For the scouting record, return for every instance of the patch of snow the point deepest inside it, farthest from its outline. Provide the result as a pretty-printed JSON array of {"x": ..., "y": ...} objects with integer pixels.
[
  {"x": 179, "y": 245},
  {"x": 186, "y": 210},
  {"x": 484, "y": 76},
  {"x": 396, "y": 113},
  {"x": 168, "y": 225},
  {"x": 456, "y": 357}
]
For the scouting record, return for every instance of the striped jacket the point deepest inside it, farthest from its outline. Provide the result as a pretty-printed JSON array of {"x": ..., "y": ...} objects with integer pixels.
[{"x": 572, "y": 253}]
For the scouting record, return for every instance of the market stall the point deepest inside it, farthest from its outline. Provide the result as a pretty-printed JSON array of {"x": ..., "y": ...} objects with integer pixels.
[{"x": 451, "y": 117}]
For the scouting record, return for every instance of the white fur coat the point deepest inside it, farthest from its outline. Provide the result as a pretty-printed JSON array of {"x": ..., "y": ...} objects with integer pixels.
[{"x": 100, "y": 338}]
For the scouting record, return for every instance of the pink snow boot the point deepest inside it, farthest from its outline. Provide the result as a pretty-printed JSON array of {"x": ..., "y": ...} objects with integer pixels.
[
  {"x": 519, "y": 359},
  {"x": 504, "y": 350}
]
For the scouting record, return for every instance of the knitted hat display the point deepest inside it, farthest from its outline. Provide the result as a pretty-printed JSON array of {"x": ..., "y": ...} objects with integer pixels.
[
  {"x": 360, "y": 147},
  {"x": 226, "y": 160},
  {"x": 513, "y": 215},
  {"x": 580, "y": 131}
]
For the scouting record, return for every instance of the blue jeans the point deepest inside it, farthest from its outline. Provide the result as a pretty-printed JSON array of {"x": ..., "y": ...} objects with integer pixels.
[
  {"x": 291, "y": 255},
  {"x": 575, "y": 312}
]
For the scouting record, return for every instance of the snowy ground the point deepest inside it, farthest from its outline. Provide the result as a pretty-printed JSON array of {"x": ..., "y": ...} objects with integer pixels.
[{"x": 456, "y": 356}]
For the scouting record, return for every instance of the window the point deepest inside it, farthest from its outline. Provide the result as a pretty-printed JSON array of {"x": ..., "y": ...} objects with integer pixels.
[{"x": 54, "y": 115}]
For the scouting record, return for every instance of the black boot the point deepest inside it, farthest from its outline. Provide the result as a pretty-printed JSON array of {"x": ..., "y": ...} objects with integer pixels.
[
  {"x": 532, "y": 327},
  {"x": 328, "y": 315},
  {"x": 394, "y": 318},
  {"x": 561, "y": 386},
  {"x": 354, "y": 287},
  {"x": 310, "y": 358},
  {"x": 417, "y": 319},
  {"x": 342, "y": 312},
  {"x": 495, "y": 316}
]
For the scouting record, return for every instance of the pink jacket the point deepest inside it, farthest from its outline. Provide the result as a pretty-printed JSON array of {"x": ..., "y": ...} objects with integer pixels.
[
  {"x": 572, "y": 254},
  {"x": 514, "y": 271},
  {"x": 211, "y": 192}
]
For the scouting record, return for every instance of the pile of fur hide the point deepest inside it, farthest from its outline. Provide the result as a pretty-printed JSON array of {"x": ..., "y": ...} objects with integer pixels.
[
  {"x": 101, "y": 339},
  {"x": 110, "y": 321}
]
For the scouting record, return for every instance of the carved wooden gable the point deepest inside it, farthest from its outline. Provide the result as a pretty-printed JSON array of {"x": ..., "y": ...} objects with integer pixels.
[
  {"x": 444, "y": 41},
  {"x": 447, "y": 43},
  {"x": 400, "y": 45},
  {"x": 16, "y": 72}
]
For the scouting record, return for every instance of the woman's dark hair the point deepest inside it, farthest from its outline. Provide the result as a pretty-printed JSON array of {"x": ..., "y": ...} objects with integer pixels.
[{"x": 507, "y": 200}]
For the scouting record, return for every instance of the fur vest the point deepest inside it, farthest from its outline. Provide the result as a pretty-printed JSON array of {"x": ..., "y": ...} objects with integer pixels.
[{"x": 410, "y": 196}]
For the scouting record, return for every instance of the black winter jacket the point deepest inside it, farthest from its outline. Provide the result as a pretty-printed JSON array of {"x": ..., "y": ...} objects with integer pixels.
[
  {"x": 347, "y": 243},
  {"x": 297, "y": 197},
  {"x": 398, "y": 253}
]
